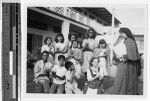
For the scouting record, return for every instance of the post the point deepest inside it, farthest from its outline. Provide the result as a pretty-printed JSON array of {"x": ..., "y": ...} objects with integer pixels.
[
  {"x": 112, "y": 34},
  {"x": 65, "y": 30}
]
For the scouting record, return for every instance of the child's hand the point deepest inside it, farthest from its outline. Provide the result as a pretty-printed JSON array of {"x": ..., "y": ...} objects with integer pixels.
[
  {"x": 98, "y": 75},
  {"x": 54, "y": 74},
  {"x": 100, "y": 78}
]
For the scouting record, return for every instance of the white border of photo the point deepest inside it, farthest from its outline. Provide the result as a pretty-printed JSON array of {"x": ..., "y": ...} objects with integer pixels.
[
  {"x": 1, "y": 50},
  {"x": 75, "y": 3}
]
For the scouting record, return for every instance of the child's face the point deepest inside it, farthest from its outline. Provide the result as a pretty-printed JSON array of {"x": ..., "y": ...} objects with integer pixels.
[
  {"x": 95, "y": 62},
  {"x": 72, "y": 68},
  {"x": 103, "y": 45},
  {"x": 45, "y": 57},
  {"x": 91, "y": 34},
  {"x": 75, "y": 44},
  {"x": 73, "y": 38},
  {"x": 59, "y": 38},
  {"x": 48, "y": 41},
  {"x": 61, "y": 62}
]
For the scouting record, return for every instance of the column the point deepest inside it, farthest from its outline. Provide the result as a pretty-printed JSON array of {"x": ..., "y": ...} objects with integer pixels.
[{"x": 65, "y": 29}]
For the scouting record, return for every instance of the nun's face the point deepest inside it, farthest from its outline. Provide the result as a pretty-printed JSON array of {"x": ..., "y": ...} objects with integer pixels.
[{"x": 123, "y": 35}]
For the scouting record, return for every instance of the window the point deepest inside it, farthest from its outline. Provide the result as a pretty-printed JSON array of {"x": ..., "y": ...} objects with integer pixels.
[
  {"x": 34, "y": 41},
  {"x": 56, "y": 29}
]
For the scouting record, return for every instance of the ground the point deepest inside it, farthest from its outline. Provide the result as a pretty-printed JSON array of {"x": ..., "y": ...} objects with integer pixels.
[{"x": 108, "y": 84}]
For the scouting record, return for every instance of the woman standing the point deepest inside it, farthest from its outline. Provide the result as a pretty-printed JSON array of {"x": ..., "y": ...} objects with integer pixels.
[
  {"x": 89, "y": 45},
  {"x": 128, "y": 64}
]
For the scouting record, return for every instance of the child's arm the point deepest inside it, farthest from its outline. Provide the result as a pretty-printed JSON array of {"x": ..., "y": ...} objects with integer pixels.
[
  {"x": 60, "y": 77},
  {"x": 78, "y": 57},
  {"x": 66, "y": 49},
  {"x": 90, "y": 77},
  {"x": 69, "y": 54},
  {"x": 37, "y": 70},
  {"x": 93, "y": 78},
  {"x": 71, "y": 79}
]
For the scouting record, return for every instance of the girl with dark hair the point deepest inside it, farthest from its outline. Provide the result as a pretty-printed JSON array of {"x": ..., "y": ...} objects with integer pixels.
[
  {"x": 49, "y": 46},
  {"x": 128, "y": 57},
  {"x": 102, "y": 53},
  {"x": 94, "y": 76},
  {"x": 71, "y": 38},
  {"x": 59, "y": 46},
  {"x": 89, "y": 45}
]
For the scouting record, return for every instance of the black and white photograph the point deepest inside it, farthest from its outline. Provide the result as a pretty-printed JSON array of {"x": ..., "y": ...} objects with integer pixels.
[
  {"x": 74, "y": 50},
  {"x": 85, "y": 50}
]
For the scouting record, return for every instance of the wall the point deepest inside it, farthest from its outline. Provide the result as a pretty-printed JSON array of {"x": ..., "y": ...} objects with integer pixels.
[
  {"x": 45, "y": 34},
  {"x": 140, "y": 42}
]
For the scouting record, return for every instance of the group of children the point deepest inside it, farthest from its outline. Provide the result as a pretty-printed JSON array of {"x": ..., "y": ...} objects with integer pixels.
[{"x": 63, "y": 64}]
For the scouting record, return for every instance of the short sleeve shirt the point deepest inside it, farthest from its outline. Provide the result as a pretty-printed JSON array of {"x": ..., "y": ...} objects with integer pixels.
[
  {"x": 41, "y": 67},
  {"x": 60, "y": 71}
]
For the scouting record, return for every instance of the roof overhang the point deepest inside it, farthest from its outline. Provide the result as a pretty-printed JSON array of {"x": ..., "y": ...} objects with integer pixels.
[{"x": 102, "y": 14}]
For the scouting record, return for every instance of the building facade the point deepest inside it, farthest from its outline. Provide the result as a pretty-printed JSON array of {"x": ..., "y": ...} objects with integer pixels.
[{"x": 49, "y": 21}]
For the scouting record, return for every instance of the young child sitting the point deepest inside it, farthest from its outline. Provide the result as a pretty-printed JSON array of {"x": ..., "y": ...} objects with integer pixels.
[
  {"x": 94, "y": 76},
  {"x": 58, "y": 73},
  {"x": 71, "y": 84}
]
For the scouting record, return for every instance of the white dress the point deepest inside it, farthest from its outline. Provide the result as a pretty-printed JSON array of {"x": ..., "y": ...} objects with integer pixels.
[
  {"x": 87, "y": 55},
  {"x": 103, "y": 61}
]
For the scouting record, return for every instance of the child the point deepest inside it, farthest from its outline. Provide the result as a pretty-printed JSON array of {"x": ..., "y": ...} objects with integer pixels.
[
  {"x": 49, "y": 46},
  {"x": 59, "y": 46},
  {"x": 58, "y": 73},
  {"x": 102, "y": 54},
  {"x": 75, "y": 56},
  {"x": 41, "y": 71},
  {"x": 71, "y": 84},
  {"x": 89, "y": 45},
  {"x": 71, "y": 38},
  {"x": 94, "y": 76}
]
